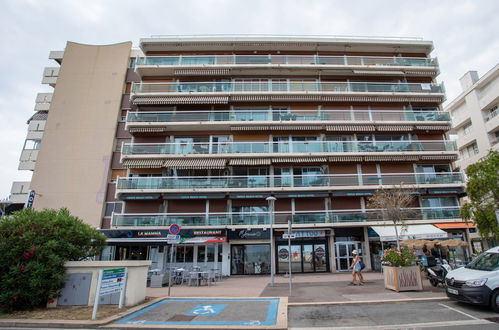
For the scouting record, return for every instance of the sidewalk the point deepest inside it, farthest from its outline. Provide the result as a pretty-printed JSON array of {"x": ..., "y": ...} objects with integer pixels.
[{"x": 307, "y": 288}]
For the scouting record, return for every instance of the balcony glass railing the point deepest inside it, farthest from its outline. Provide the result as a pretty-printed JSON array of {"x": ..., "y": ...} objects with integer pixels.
[
  {"x": 278, "y": 116},
  {"x": 304, "y": 217},
  {"x": 277, "y": 86},
  {"x": 255, "y": 181},
  {"x": 203, "y": 60},
  {"x": 179, "y": 148}
]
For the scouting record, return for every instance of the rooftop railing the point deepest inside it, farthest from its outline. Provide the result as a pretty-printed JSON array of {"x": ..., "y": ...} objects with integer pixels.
[
  {"x": 203, "y": 60},
  {"x": 295, "y": 115},
  {"x": 262, "y": 218},
  {"x": 277, "y": 86},
  {"x": 266, "y": 181},
  {"x": 254, "y": 147}
]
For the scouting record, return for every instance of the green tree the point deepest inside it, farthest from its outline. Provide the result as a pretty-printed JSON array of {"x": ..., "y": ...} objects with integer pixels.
[
  {"x": 34, "y": 245},
  {"x": 482, "y": 189}
]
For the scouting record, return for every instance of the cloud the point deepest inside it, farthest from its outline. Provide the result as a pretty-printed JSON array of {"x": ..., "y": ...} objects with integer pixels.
[{"x": 463, "y": 33}]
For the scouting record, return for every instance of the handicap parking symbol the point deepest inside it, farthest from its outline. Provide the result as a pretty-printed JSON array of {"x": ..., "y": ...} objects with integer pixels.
[{"x": 207, "y": 310}]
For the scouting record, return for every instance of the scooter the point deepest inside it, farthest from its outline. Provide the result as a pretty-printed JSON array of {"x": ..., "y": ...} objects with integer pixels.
[{"x": 436, "y": 274}]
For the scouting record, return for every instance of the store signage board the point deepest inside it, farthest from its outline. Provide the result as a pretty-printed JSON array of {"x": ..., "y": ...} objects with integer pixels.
[
  {"x": 31, "y": 199},
  {"x": 110, "y": 281}
]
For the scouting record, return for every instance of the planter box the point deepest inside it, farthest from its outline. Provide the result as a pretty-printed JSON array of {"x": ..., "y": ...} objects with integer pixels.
[{"x": 402, "y": 278}]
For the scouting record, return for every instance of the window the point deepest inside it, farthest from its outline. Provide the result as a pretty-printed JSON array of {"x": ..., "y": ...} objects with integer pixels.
[
  {"x": 492, "y": 113},
  {"x": 131, "y": 65},
  {"x": 435, "y": 202},
  {"x": 467, "y": 128},
  {"x": 115, "y": 207},
  {"x": 470, "y": 151},
  {"x": 32, "y": 144}
]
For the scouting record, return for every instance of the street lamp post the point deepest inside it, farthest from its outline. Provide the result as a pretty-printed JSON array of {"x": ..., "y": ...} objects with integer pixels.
[{"x": 271, "y": 200}]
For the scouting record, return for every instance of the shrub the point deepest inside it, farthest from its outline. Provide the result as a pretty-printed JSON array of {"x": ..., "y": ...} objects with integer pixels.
[
  {"x": 34, "y": 245},
  {"x": 395, "y": 258}
]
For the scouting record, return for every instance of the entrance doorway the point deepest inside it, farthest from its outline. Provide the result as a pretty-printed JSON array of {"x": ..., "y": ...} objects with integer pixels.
[
  {"x": 305, "y": 258},
  {"x": 344, "y": 254}
]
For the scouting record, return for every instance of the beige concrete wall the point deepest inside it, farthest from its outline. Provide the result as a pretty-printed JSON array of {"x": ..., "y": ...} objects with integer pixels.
[
  {"x": 73, "y": 162},
  {"x": 136, "y": 271}
]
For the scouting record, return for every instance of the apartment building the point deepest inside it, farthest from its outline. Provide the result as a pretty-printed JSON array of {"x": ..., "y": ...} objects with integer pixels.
[
  {"x": 200, "y": 131},
  {"x": 475, "y": 118}
]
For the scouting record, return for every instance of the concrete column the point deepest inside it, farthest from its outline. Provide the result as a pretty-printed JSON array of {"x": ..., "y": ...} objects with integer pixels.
[
  {"x": 332, "y": 253},
  {"x": 367, "y": 251},
  {"x": 226, "y": 259}
]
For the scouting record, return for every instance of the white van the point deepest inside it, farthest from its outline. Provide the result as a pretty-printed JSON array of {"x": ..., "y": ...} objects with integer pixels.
[{"x": 478, "y": 282}]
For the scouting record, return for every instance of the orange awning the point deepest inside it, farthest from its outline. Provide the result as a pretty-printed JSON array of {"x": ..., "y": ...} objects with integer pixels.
[{"x": 453, "y": 225}]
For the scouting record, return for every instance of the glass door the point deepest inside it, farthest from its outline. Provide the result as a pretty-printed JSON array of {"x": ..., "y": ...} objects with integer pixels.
[
  {"x": 308, "y": 258},
  {"x": 344, "y": 254}
]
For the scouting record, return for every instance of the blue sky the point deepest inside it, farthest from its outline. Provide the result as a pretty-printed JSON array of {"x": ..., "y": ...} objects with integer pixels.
[{"x": 464, "y": 33}]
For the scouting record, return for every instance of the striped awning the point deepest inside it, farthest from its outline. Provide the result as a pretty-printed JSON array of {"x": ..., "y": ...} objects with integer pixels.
[
  {"x": 201, "y": 72},
  {"x": 345, "y": 159},
  {"x": 187, "y": 164},
  {"x": 439, "y": 157},
  {"x": 389, "y": 158},
  {"x": 249, "y": 128},
  {"x": 249, "y": 161},
  {"x": 386, "y": 72},
  {"x": 142, "y": 163},
  {"x": 147, "y": 129},
  {"x": 296, "y": 128},
  {"x": 299, "y": 160},
  {"x": 277, "y": 128},
  {"x": 182, "y": 100},
  {"x": 433, "y": 128},
  {"x": 421, "y": 73},
  {"x": 387, "y": 128},
  {"x": 350, "y": 128}
]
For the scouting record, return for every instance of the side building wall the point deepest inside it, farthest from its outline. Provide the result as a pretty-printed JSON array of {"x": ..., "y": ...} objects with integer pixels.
[{"x": 74, "y": 160}]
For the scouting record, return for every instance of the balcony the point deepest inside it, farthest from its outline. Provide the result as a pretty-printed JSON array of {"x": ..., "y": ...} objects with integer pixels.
[
  {"x": 223, "y": 119},
  {"x": 281, "y": 183},
  {"x": 322, "y": 217},
  {"x": 165, "y": 65},
  {"x": 43, "y": 101},
  {"x": 257, "y": 148},
  {"x": 280, "y": 87},
  {"x": 50, "y": 75}
]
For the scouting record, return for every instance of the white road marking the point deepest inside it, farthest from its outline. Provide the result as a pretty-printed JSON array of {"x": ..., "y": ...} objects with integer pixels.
[
  {"x": 461, "y": 312},
  {"x": 402, "y": 326}
]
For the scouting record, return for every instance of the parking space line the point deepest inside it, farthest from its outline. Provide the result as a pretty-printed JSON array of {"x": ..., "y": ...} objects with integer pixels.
[{"x": 458, "y": 311}]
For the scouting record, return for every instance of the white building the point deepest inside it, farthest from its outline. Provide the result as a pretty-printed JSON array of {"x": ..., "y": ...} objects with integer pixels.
[{"x": 475, "y": 117}]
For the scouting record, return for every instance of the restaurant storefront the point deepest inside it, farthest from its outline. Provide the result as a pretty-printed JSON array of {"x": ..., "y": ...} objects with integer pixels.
[
  {"x": 204, "y": 248},
  {"x": 309, "y": 252},
  {"x": 250, "y": 251}
]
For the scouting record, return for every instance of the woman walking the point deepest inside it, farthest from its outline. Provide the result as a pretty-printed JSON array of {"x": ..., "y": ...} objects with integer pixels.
[{"x": 356, "y": 268}]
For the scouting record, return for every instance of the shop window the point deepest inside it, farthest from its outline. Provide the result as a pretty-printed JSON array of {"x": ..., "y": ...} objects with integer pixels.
[{"x": 252, "y": 259}]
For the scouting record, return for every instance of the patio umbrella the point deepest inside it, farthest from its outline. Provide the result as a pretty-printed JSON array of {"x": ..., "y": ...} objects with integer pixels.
[
  {"x": 451, "y": 243},
  {"x": 412, "y": 243}
]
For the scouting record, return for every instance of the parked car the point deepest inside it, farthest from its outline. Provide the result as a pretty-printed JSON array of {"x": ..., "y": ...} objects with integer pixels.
[{"x": 478, "y": 282}]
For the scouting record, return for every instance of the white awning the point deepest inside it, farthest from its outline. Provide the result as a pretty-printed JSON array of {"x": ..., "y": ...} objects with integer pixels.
[{"x": 387, "y": 233}]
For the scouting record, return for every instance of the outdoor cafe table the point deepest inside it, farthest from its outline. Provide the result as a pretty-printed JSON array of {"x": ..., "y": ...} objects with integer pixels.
[{"x": 199, "y": 276}]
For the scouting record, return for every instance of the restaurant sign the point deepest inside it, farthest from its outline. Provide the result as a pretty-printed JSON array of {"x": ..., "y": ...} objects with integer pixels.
[{"x": 254, "y": 233}]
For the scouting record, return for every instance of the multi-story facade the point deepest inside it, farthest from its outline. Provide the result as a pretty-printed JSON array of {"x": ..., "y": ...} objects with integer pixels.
[
  {"x": 475, "y": 118},
  {"x": 201, "y": 131}
]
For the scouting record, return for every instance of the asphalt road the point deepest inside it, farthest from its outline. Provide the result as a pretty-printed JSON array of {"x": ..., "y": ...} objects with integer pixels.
[{"x": 413, "y": 315}]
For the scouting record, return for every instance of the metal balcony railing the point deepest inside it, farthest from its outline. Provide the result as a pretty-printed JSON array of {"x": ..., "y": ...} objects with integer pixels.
[
  {"x": 290, "y": 86},
  {"x": 179, "y": 148},
  {"x": 265, "y": 181},
  {"x": 203, "y": 60},
  {"x": 262, "y": 218},
  {"x": 278, "y": 116}
]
